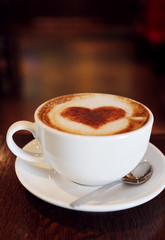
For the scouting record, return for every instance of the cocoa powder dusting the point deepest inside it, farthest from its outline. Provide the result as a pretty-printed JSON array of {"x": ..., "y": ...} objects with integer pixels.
[{"x": 93, "y": 117}]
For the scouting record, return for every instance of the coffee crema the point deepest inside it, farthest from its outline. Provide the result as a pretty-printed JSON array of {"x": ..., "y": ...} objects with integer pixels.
[{"x": 93, "y": 114}]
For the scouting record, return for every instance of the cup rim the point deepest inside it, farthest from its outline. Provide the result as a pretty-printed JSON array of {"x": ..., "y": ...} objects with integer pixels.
[{"x": 117, "y": 135}]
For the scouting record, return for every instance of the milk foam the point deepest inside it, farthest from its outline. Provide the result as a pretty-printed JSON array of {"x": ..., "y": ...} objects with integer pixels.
[{"x": 134, "y": 113}]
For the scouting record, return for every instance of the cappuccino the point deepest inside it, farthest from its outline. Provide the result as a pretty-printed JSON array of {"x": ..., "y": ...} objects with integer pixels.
[{"x": 93, "y": 114}]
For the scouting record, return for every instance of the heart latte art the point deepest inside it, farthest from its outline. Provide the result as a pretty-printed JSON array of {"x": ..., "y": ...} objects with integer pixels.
[
  {"x": 93, "y": 114},
  {"x": 93, "y": 117}
]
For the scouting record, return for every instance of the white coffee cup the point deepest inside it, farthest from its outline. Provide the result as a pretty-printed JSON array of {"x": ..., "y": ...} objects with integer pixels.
[{"x": 84, "y": 159}]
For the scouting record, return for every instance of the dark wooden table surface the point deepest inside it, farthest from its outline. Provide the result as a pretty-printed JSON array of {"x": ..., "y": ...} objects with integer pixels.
[{"x": 24, "y": 216}]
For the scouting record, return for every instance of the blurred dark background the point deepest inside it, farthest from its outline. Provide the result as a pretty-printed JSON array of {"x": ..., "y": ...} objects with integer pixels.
[{"x": 50, "y": 48}]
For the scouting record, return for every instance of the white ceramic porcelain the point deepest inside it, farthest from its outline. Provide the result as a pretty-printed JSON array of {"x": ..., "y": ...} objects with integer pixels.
[
  {"x": 51, "y": 187},
  {"x": 88, "y": 160}
]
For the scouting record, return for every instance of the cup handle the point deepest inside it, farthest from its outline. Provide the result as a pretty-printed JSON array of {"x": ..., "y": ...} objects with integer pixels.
[{"x": 19, "y": 152}]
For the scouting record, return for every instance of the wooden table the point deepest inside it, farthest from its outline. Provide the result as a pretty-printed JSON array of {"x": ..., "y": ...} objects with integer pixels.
[{"x": 24, "y": 216}]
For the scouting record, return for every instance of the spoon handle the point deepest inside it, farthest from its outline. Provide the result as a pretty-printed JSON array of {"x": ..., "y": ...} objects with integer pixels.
[{"x": 93, "y": 194}]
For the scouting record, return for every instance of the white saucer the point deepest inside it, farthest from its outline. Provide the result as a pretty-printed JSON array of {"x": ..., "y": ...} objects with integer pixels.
[{"x": 52, "y": 188}]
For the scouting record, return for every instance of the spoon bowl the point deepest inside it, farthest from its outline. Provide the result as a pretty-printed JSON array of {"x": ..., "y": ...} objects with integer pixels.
[{"x": 139, "y": 175}]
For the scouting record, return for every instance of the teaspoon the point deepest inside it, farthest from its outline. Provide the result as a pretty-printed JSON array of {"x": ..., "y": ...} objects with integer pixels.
[{"x": 139, "y": 175}]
